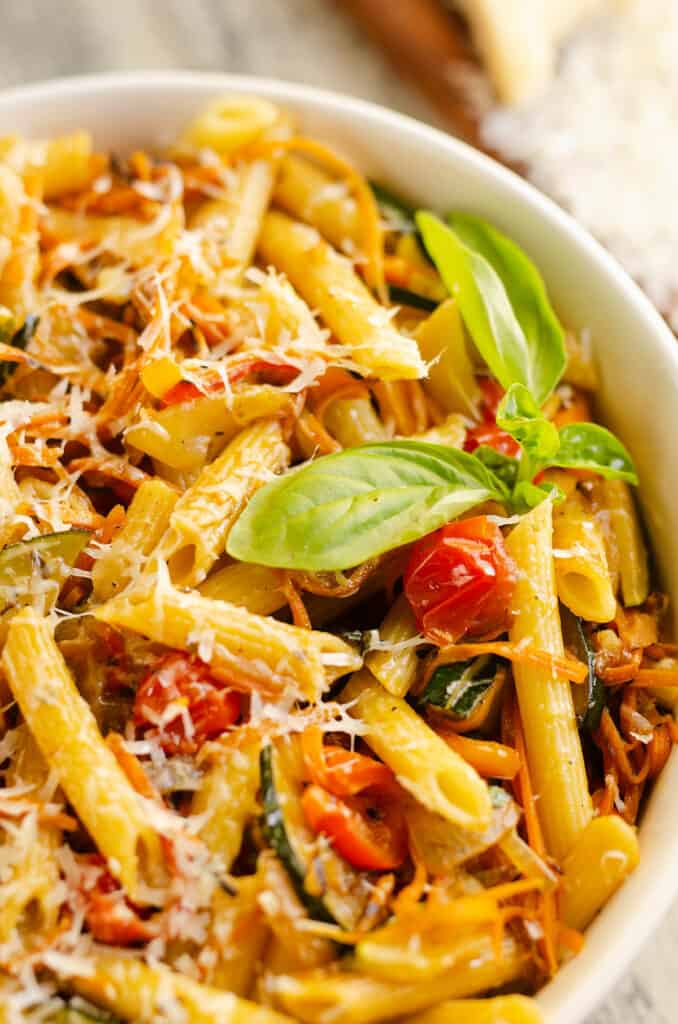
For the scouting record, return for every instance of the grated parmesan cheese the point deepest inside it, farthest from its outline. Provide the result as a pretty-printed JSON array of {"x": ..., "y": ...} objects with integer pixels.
[{"x": 600, "y": 140}]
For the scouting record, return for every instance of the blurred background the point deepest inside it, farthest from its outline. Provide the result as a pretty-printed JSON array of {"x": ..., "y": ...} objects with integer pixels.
[{"x": 579, "y": 95}]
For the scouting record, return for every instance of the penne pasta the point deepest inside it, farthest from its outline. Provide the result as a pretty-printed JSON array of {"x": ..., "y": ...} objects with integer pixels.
[
  {"x": 66, "y": 732},
  {"x": 423, "y": 763},
  {"x": 396, "y": 669},
  {"x": 326, "y": 280},
  {"x": 554, "y": 750},
  {"x": 227, "y": 799},
  {"x": 309, "y": 194},
  {"x": 618, "y": 514},
  {"x": 147, "y": 520},
  {"x": 605, "y": 853},
  {"x": 583, "y": 580},
  {"x": 140, "y": 993},
  {"x": 247, "y": 650},
  {"x": 254, "y": 587},
  {"x": 202, "y": 517},
  {"x": 500, "y": 1010}
]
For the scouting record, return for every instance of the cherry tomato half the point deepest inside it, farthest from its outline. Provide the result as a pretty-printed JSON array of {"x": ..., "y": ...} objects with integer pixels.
[
  {"x": 342, "y": 772},
  {"x": 491, "y": 394},
  {"x": 459, "y": 581},
  {"x": 494, "y": 437},
  {"x": 110, "y": 916},
  {"x": 368, "y": 831},
  {"x": 184, "y": 703}
]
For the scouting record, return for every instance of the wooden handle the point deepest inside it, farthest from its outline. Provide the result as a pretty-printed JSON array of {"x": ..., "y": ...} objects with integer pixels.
[{"x": 429, "y": 46}]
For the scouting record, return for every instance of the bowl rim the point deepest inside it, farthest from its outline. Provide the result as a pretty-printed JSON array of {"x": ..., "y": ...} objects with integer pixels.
[{"x": 596, "y": 983}]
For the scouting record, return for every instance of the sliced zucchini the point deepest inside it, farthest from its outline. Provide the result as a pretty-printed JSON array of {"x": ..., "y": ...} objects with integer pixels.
[
  {"x": 80, "y": 1012},
  {"x": 591, "y": 696},
  {"x": 463, "y": 690},
  {"x": 404, "y": 297},
  {"x": 49, "y": 557},
  {"x": 330, "y": 888}
]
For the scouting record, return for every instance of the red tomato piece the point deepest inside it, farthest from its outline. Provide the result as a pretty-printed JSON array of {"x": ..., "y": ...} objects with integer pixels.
[
  {"x": 267, "y": 371},
  {"x": 184, "y": 703},
  {"x": 342, "y": 772},
  {"x": 494, "y": 437},
  {"x": 110, "y": 916},
  {"x": 491, "y": 394},
  {"x": 459, "y": 581},
  {"x": 368, "y": 831}
]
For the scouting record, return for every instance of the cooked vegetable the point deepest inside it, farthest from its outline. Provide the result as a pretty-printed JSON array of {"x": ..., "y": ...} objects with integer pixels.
[
  {"x": 48, "y": 557},
  {"x": 340, "y": 510},
  {"x": 326, "y": 884},
  {"x": 502, "y": 300},
  {"x": 459, "y": 580},
  {"x": 193, "y": 705},
  {"x": 404, "y": 297},
  {"x": 367, "y": 830},
  {"x": 458, "y": 690},
  {"x": 590, "y": 697}
]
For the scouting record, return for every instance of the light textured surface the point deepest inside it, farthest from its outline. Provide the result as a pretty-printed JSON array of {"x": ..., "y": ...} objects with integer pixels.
[{"x": 300, "y": 40}]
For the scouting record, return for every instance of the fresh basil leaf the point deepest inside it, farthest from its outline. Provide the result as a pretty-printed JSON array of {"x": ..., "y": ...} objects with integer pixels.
[
  {"x": 482, "y": 300},
  {"x": 20, "y": 340},
  {"x": 527, "y": 295},
  {"x": 344, "y": 508},
  {"x": 501, "y": 465},
  {"x": 519, "y": 415},
  {"x": 590, "y": 446},
  {"x": 526, "y": 495},
  {"x": 590, "y": 697}
]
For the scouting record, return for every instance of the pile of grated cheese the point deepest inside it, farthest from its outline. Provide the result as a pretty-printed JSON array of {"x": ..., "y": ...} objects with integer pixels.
[{"x": 601, "y": 140}]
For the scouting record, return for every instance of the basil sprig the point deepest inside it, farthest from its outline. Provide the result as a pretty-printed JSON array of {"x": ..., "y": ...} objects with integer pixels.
[
  {"x": 342, "y": 509},
  {"x": 502, "y": 300},
  {"x": 575, "y": 446}
]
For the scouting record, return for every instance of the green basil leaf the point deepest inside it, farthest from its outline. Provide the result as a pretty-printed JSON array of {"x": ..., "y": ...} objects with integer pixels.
[
  {"x": 482, "y": 300},
  {"x": 527, "y": 495},
  {"x": 519, "y": 415},
  {"x": 342, "y": 509},
  {"x": 501, "y": 465},
  {"x": 527, "y": 295},
  {"x": 590, "y": 446}
]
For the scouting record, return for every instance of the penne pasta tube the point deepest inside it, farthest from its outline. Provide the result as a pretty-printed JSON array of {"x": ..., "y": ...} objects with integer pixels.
[
  {"x": 202, "y": 517},
  {"x": 423, "y": 763},
  {"x": 328, "y": 996},
  {"x": 604, "y": 855},
  {"x": 238, "y": 934},
  {"x": 616, "y": 508},
  {"x": 230, "y": 122},
  {"x": 66, "y": 732},
  {"x": 227, "y": 796},
  {"x": 451, "y": 379},
  {"x": 255, "y": 587},
  {"x": 583, "y": 579},
  {"x": 147, "y": 519},
  {"x": 309, "y": 194},
  {"x": 354, "y": 421},
  {"x": 30, "y": 889},
  {"x": 396, "y": 669},
  {"x": 327, "y": 281},
  {"x": 500, "y": 1010},
  {"x": 249, "y": 651},
  {"x": 143, "y": 994},
  {"x": 180, "y": 435},
  {"x": 554, "y": 753}
]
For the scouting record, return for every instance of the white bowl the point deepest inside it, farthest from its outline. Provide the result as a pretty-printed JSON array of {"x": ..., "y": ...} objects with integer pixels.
[{"x": 636, "y": 352}]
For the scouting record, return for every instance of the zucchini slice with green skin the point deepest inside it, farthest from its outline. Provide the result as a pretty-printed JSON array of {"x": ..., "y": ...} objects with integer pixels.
[
  {"x": 330, "y": 889},
  {"x": 459, "y": 690},
  {"x": 404, "y": 297},
  {"x": 48, "y": 557},
  {"x": 591, "y": 697}
]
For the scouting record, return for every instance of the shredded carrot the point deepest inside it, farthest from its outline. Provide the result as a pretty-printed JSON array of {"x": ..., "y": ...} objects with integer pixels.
[
  {"x": 313, "y": 435},
  {"x": 655, "y": 677},
  {"x": 491, "y": 760},
  {"x": 132, "y": 767},
  {"x": 300, "y": 616},
  {"x": 570, "y": 938},
  {"x": 563, "y": 667}
]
